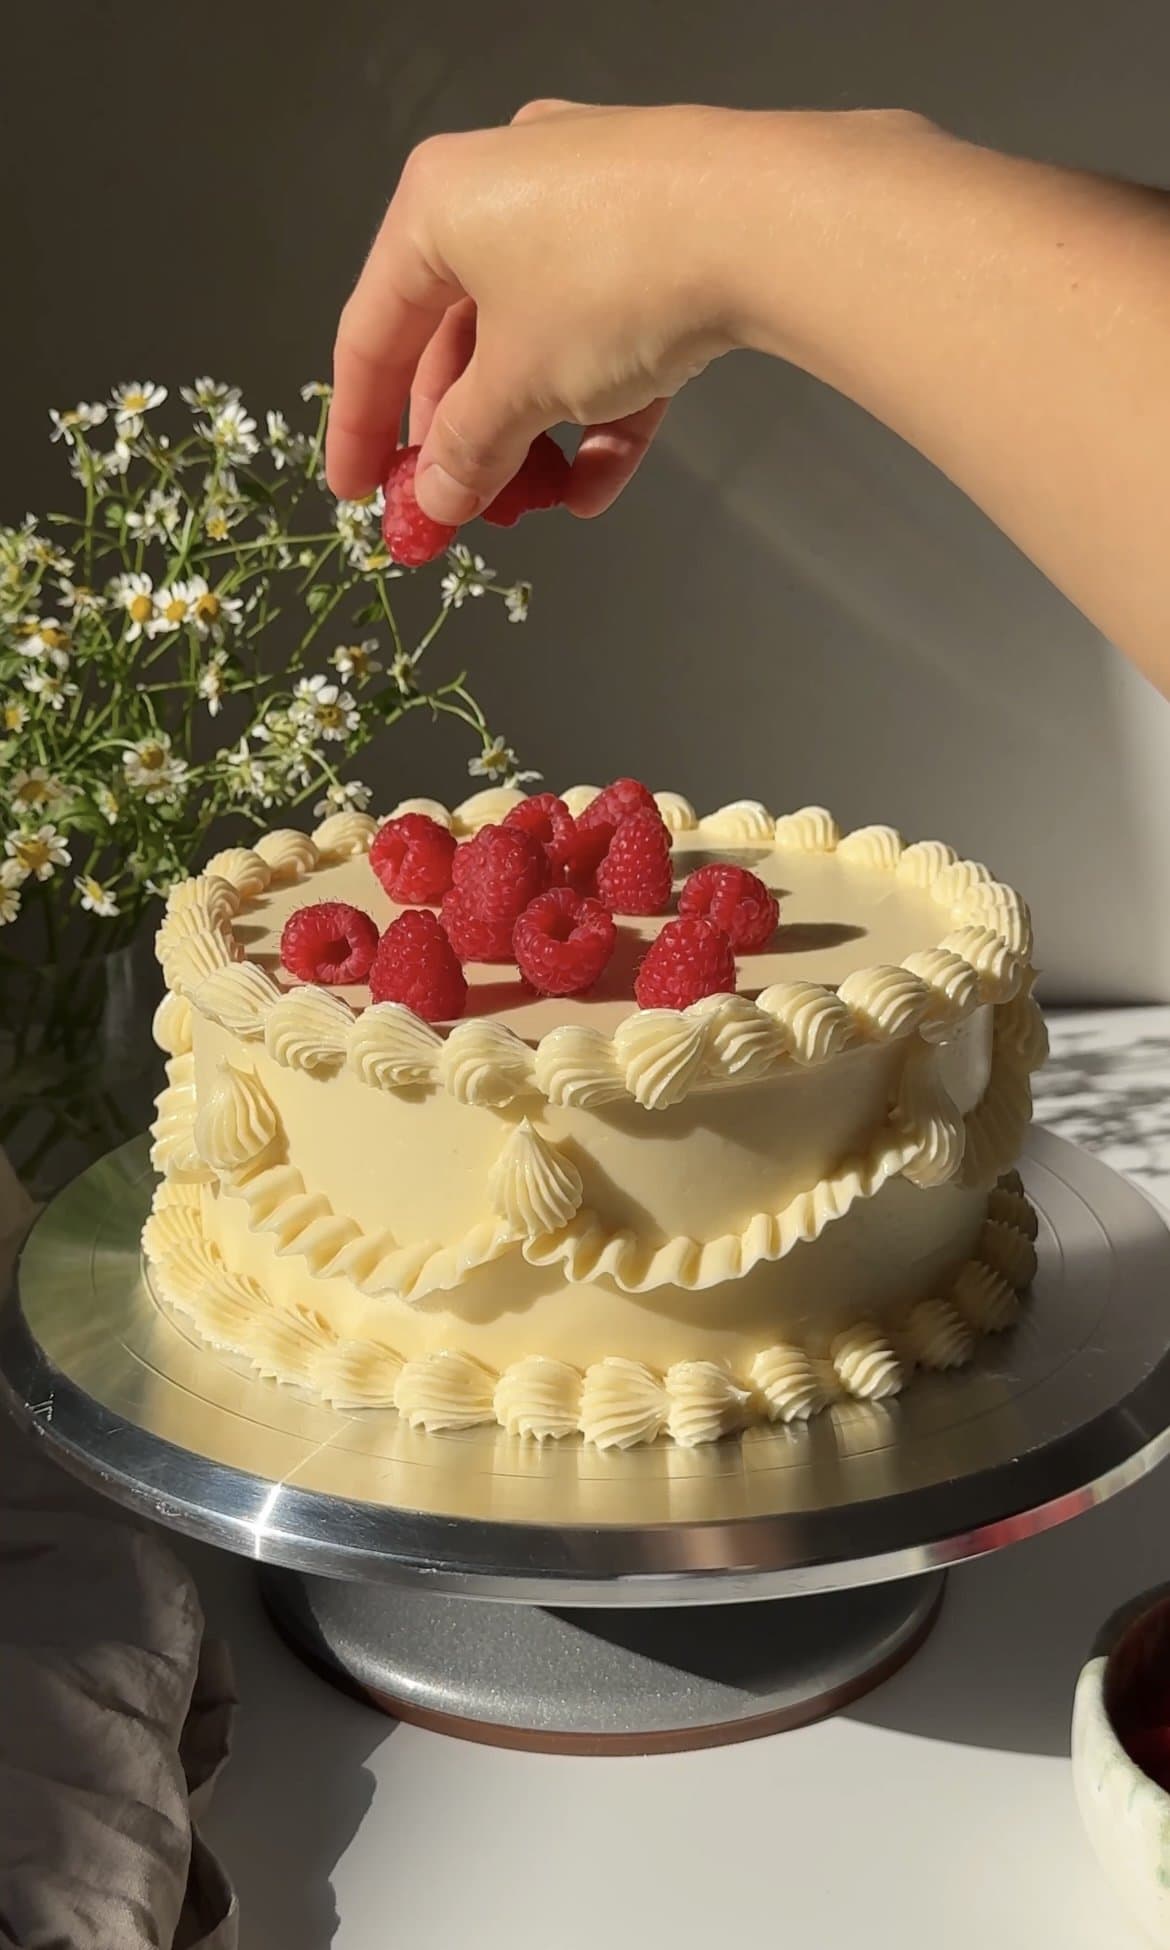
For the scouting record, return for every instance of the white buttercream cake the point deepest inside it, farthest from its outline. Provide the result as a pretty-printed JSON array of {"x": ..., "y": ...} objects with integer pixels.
[{"x": 579, "y": 1218}]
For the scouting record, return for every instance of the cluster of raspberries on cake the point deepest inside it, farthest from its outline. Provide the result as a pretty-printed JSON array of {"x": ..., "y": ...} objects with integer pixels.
[{"x": 540, "y": 890}]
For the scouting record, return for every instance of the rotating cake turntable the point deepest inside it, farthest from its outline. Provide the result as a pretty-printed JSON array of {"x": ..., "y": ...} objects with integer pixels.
[{"x": 620, "y": 1578}]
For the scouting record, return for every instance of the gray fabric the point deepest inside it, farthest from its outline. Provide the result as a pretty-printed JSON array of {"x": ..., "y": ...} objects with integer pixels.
[{"x": 115, "y": 1717}]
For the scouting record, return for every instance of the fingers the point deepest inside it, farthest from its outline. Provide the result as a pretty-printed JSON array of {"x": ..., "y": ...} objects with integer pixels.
[
  {"x": 475, "y": 443},
  {"x": 443, "y": 361},
  {"x": 607, "y": 458},
  {"x": 393, "y": 313}
]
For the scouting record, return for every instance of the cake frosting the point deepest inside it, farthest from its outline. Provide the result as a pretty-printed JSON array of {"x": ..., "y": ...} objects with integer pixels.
[{"x": 575, "y": 1217}]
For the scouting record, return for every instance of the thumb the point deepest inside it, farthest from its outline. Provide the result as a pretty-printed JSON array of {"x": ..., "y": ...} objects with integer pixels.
[{"x": 476, "y": 443}]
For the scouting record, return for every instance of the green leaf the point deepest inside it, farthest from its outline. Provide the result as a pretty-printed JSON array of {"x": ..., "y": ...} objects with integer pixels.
[
  {"x": 369, "y": 613},
  {"x": 318, "y": 598}
]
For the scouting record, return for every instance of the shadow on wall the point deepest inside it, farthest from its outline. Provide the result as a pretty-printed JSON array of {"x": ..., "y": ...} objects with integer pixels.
[{"x": 788, "y": 604}]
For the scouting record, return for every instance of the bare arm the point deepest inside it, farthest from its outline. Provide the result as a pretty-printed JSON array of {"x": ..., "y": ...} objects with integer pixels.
[{"x": 1009, "y": 319}]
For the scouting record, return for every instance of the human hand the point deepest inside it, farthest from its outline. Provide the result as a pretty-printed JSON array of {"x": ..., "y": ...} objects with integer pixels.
[{"x": 525, "y": 276}]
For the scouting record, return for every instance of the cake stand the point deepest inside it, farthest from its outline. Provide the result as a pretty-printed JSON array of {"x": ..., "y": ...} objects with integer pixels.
[{"x": 619, "y": 1579}]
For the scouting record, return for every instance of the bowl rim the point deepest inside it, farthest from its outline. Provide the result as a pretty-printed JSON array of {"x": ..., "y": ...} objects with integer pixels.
[{"x": 1107, "y": 1644}]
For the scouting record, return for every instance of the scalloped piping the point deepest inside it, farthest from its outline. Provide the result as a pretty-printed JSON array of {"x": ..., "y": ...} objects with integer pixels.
[
  {"x": 981, "y": 957},
  {"x": 617, "y": 1403}
]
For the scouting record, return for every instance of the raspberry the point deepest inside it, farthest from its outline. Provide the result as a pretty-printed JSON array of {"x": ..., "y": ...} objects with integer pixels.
[
  {"x": 691, "y": 958},
  {"x": 635, "y": 875},
  {"x": 736, "y": 900},
  {"x": 549, "y": 820},
  {"x": 411, "y": 537},
  {"x": 540, "y": 483},
  {"x": 329, "y": 941},
  {"x": 473, "y": 938},
  {"x": 563, "y": 942},
  {"x": 615, "y": 803},
  {"x": 412, "y": 858},
  {"x": 499, "y": 872},
  {"x": 416, "y": 964}
]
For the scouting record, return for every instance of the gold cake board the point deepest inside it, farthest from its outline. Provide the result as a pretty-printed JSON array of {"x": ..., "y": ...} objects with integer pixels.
[{"x": 844, "y": 1524}]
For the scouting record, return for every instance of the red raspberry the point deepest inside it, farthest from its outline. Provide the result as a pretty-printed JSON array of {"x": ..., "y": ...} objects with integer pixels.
[
  {"x": 330, "y": 941},
  {"x": 549, "y": 820},
  {"x": 615, "y": 803},
  {"x": 412, "y": 858},
  {"x": 473, "y": 938},
  {"x": 540, "y": 483},
  {"x": 736, "y": 900},
  {"x": 635, "y": 875},
  {"x": 411, "y": 537},
  {"x": 499, "y": 872},
  {"x": 563, "y": 942},
  {"x": 691, "y": 958},
  {"x": 416, "y": 964}
]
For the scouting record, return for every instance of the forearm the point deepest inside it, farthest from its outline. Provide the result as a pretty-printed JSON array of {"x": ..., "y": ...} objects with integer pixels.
[{"x": 1010, "y": 320}]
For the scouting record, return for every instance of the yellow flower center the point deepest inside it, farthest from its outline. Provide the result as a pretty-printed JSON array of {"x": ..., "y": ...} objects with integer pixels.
[
  {"x": 206, "y": 608},
  {"x": 33, "y": 854},
  {"x": 328, "y": 716},
  {"x": 217, "y": 527},
  {"x": 140, "y": 609},
  {"x": 134, "y": 402},
  {"x": 94, "y": 889},
  {"x": 52, "y": 637},
  {"x": 14, "y": 716},
  {"x": 175, "y": 610},
  {"x": 27, "y": 626},
  {"x": 152, "y": 758},
  {"x": 34, "y": 792}
]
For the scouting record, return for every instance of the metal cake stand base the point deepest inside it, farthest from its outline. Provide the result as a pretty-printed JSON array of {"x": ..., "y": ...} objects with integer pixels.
[
  {"x": 601, "y": 1681},
  {"x": 624, "y": 1575}
]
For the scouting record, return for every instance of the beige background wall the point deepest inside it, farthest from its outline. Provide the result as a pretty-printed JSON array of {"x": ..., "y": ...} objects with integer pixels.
[{"x": 788, "y": 604}]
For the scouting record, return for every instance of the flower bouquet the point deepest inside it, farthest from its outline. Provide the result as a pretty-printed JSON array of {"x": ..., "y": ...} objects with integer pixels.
[{"x": 210, "y": 634}]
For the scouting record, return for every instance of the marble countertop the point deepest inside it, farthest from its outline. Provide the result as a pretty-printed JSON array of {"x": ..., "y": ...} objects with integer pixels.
[{"x": 937, "y": 1811}]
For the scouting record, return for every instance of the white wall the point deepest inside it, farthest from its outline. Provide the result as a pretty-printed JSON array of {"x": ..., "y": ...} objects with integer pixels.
[{"x": 788, "y": 604}]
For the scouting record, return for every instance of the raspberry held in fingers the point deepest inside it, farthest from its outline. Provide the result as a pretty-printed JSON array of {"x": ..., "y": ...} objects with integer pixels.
[{"x": 411, "y": 537}]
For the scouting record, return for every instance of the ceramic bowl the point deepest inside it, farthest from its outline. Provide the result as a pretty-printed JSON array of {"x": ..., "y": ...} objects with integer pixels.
[{"x": 1126, "y": 1815}]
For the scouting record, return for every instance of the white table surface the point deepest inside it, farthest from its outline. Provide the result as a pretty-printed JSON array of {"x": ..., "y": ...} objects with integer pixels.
[{"x": 935, "y": 1815}]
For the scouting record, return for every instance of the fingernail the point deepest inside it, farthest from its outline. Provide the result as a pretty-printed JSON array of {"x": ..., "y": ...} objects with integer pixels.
[{"x": 442, "y": 497}]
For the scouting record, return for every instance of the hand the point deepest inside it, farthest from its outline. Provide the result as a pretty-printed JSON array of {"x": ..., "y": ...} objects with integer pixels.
[{"x": 522, "y": 277}]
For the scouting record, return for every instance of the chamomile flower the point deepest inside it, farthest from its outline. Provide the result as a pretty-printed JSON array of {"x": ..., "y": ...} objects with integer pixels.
[
  {"x": 77, "y": 419},
  {"x": 50, "y": 684},
  {"x": 79, "y": 598},
  {"x": 373, "y": 558},
  {"x": 495, "y": 761},
  {"x": 36, "y": 791},
  {"x": 402, "y": 672},
  {"x": 118, "y": 457},
  {"x": 158, "y": 515},
  {"x": 356, "y": 662},
  {"x": 135, "y": 595},
  {"x": 316, "y": 389},
  {"x": 469, "y": 577},
  {"x": 131, "y": 401},
  {"x": 10, "y": 880},
  {"x": 195, "y": 603},
  {"x": 46, "y": 555},
  {"x": 13, "y": 714},
  {"x": 329, "y": 711},
  {"x": 36, "y": 854},
  {"x": 108, "y": 804},
  {"x": 516, "y": 601},
  {"x": 283, "y": 444},
  {"x": 48, "y": 639},
  {"x": 232, "y": 433},
  {"x": 211, "y": 682},
  {"x": 358, "y": 521},
  {"x": 248, "y": 776},
  {"x": 205, "y": 395},
  {"x": 96, "y": 898},
  {"x": 153, "y": 772},
  {"x": 348, "y": 796}
]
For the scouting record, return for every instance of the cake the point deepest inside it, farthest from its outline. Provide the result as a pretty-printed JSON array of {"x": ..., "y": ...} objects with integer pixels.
[{"x": 579, "y": 1218}]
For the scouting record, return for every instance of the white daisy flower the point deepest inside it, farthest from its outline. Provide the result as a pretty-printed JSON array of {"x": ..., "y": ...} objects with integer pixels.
[
  {"x": 77, "y": 419},
  {"x": 469, "y": 577},
  {"x": 516, "y": 602},
  {"x": 211, "y": 682},
  {"x": 284, "y": 445},
  {"x": 135, "y": 594},
  {"x": 13, "y": 715},
  {"x": 95, "y": 898},
  {"x": 232, "y": 432},
  {"x": 48, "y": 556},
  {"x": 493, "y": 762},
  {"x": 350, "y": 796},
  {"x": 50, "y": 685},
  {"x": 153, "y": 771},
  {"x": 108, "y": 804},
  {"x": 10, "y": 879},
  {"x": 132, "y": 400},
  {"x": 79, "y": 597},
  {"x": 316, "y": 389},
  {"x": 358, "y": 521},
  {"x": 356, "y": 660},
  {"x": 36, "y": 791},
  {"x": 402, "y": 671},
  {"x": 49, "y": 639},
  {"x": 34, "y": 855},
  {"x": 373, "y": 558},
  {"x": 248, "y": 776},
  {"x": 329, "y": 711},
  {"x": 118, "y": 458},
  {"x": 204, "y": 395},
  {"x": 158, "y": 515}
]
